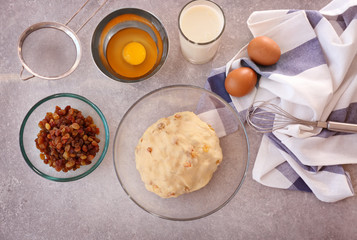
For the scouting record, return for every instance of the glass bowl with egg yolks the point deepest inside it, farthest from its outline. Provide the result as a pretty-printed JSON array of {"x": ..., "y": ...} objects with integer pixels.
[
  {"x": 130, "y": 45},
  {"x": 226, "y": 180}
]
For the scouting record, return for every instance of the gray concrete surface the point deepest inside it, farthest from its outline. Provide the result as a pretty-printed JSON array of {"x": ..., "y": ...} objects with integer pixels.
[{"x": 96, "y": 207}]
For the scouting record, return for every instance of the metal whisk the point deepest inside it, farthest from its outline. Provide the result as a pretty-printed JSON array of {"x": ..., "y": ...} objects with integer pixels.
[{"x": 266, "y": 117}]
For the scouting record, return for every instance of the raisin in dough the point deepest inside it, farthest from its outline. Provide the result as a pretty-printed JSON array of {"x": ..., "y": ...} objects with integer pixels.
[{"x": 177, "y": 155}]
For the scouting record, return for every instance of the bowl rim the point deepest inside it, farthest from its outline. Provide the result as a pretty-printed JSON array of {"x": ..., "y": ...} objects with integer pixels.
[
  {"x": 241, "y": 125},
  {"x": 100, "y": 26},
  {"x": 59, "y": 95}
]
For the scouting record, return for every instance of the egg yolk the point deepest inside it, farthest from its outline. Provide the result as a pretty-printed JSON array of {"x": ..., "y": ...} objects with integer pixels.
[{"x": 134, "y": 53}]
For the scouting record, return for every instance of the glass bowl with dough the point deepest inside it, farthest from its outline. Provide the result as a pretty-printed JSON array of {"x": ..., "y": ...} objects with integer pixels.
[{"x": 181, "y": 152}]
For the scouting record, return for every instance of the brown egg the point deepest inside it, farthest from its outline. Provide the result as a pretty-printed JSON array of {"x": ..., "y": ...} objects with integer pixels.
[
  {"x": 240, "y": 81},
  {"x": 264, "y": 51}
]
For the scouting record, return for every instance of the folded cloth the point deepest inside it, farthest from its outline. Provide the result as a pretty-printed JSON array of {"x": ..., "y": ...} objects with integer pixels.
[{"x": 315, "y": 79}]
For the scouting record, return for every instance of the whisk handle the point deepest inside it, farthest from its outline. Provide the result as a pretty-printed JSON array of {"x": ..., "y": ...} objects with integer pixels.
[{"x": 342, "y": 127}]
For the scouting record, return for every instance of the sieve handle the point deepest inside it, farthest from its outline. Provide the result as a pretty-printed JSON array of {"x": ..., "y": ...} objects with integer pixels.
[
  {"x": 89, "y": 18},
  {"x": 25, "y": 78}
]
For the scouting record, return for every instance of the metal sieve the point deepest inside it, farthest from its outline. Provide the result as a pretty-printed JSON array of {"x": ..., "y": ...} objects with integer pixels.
[{"x": 51, "y": 50}]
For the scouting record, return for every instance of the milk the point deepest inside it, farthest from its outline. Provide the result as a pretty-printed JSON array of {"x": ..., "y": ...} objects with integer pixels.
[{"x": 201, "y": 25}]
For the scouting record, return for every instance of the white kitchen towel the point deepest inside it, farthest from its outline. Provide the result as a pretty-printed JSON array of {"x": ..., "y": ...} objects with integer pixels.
[{"x": 315, "y": 79}]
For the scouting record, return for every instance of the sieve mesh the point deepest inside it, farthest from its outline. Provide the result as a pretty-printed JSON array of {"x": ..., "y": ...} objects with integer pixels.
[{"x": 49, "y": 52}]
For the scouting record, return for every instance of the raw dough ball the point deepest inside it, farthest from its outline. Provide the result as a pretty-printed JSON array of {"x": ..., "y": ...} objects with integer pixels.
[{"x": 177, "y": 155}]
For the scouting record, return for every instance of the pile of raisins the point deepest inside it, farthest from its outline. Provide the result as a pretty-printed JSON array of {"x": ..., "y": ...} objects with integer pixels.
[{"x": 67, "y": 139}]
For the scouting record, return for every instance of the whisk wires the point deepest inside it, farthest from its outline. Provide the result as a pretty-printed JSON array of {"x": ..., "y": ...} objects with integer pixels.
[{"x": 267, "y": 117}]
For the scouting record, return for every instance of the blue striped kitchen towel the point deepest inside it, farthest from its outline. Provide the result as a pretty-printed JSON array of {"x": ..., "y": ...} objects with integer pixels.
[{"x": 315, "y": 79}]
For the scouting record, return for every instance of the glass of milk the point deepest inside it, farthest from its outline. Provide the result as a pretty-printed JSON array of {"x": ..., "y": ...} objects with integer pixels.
[{"x": 201, "y": 24}]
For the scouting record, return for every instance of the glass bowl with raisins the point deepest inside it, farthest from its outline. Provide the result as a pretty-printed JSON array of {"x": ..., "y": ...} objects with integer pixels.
[{"x": 64, "y": 137}]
